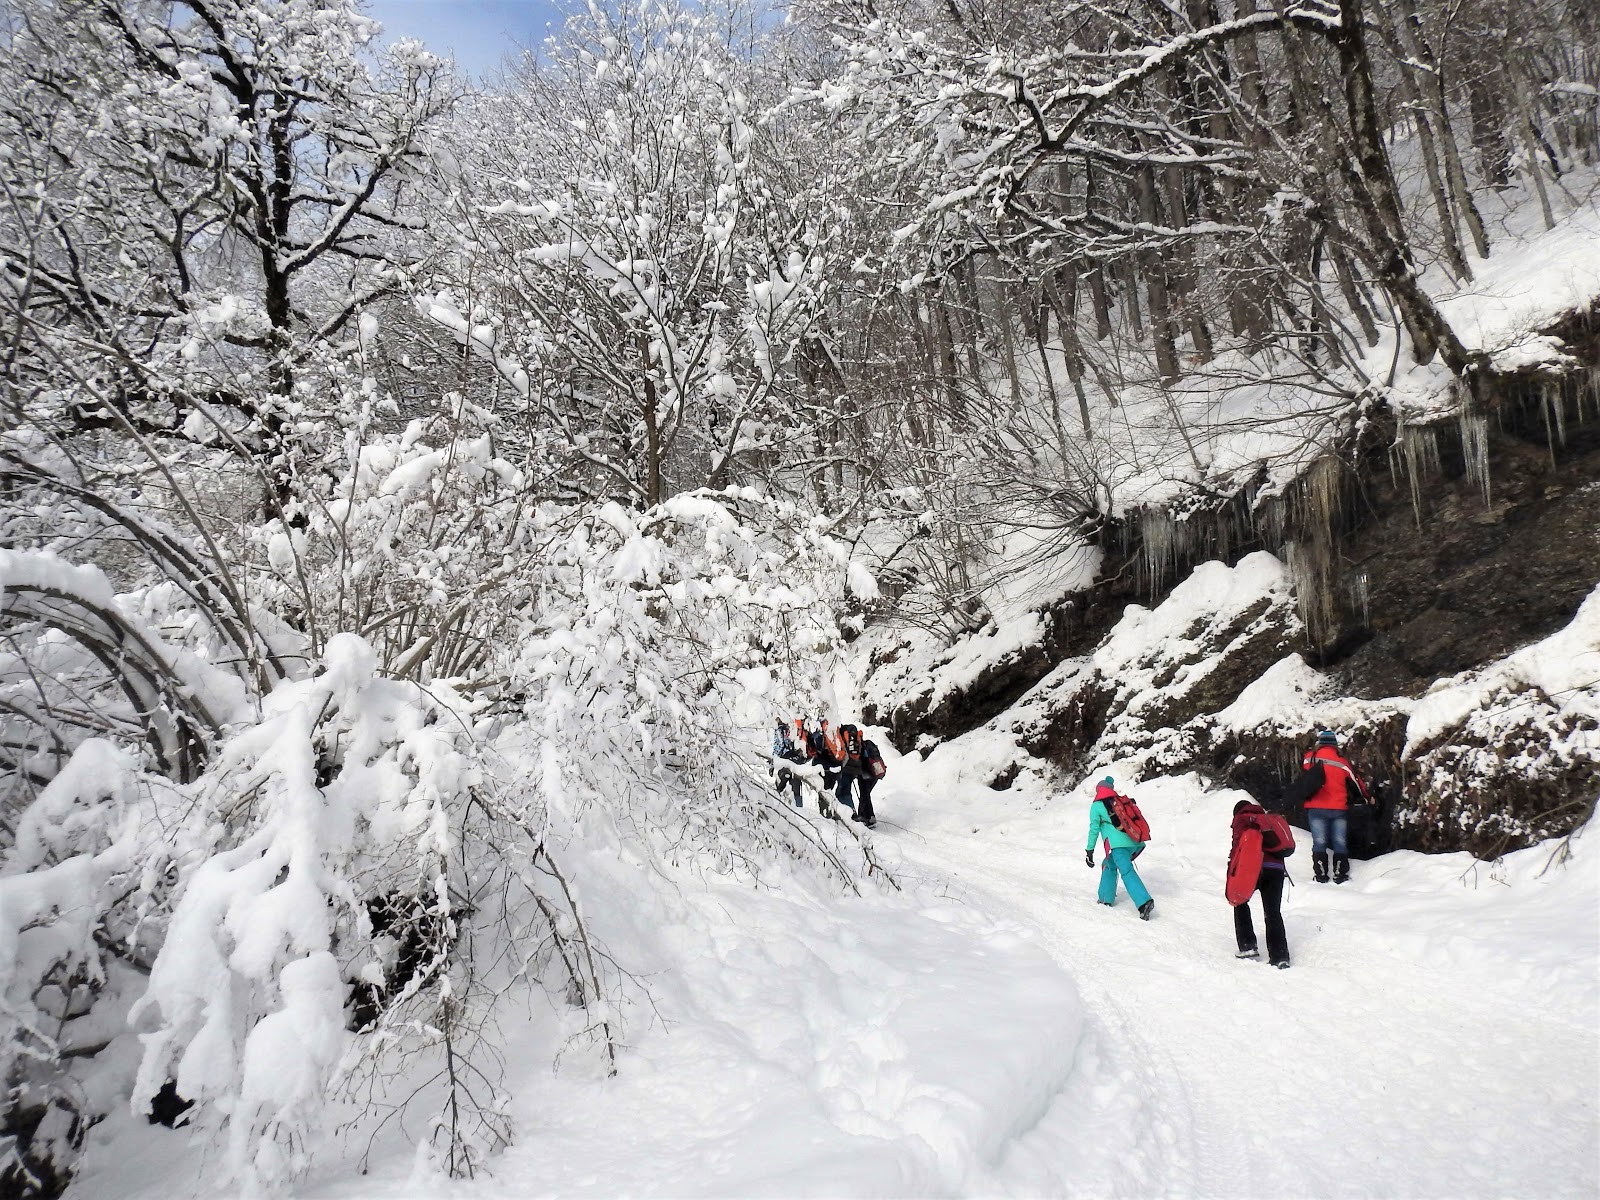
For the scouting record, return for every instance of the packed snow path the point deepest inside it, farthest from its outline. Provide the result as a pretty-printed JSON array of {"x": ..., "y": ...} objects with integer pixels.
[
  {"x": 991, "y": 1031},
  {"x": 1428, "y": 1029}
]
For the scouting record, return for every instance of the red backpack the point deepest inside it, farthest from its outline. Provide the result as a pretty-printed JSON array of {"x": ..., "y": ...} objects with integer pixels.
[
  {"x": 1276, "y": 836},
  {"x": 1125, "y": 815},
  {"x": 873, "y": 758}
]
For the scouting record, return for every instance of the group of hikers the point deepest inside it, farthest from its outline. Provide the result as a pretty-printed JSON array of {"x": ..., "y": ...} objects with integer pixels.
[
  {"x": 1328, "y": 787},
  {"x": 846, "y": 762}
]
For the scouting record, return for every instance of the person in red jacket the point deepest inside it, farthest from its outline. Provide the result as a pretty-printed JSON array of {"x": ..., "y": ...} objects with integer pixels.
[
  {"x": 1327, "y": 786},
  {"x": 1269, "y": 886}
]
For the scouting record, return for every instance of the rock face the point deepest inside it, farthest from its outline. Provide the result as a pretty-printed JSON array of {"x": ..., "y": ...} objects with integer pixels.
[
  {"x": 1489, "y": 761},
  {"x": 925, "y": 697},
  {"x": 1443, "y": 550},
  {"x": 1457, "y": 579},
  {"x": 1215, "y": 633}
]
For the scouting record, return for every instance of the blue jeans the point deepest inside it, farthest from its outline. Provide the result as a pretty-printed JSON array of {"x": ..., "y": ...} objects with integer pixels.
[
  {"x": 1329, "y": 826},
  {"x": 1120, "y": 862}
]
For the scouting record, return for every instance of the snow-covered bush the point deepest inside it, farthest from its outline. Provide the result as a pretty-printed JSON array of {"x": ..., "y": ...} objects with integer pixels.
[{"x": 333, "y": 883}]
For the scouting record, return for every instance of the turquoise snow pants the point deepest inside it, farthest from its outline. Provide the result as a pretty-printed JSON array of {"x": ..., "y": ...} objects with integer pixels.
[{"x": 1120, "y": 862}]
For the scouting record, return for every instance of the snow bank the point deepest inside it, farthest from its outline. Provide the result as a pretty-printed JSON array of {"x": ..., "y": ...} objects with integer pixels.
[{"x": 805, "y": 1046}]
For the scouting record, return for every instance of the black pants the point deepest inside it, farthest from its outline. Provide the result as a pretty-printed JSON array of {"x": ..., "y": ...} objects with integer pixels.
[
  {"x": 787, "y": 778},
  {"x": 857, "y": 774},
  {"x": 830, "y": 779},
  {"x": 864, "y": 785},
  {"x": 1270, "y": 888}
]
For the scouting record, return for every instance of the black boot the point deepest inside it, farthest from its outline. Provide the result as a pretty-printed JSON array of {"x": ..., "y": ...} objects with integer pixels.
[
  {"x": 1319, "y": 866},
  {"x": 1341, "y": 868}
]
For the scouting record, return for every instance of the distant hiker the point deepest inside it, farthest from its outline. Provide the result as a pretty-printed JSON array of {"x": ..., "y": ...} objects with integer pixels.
[
  {"x": 826, "y": 749},
  {"x": 862, "y": 768},
  {"x": 1327, "y": 786},
  {"x": 785, "y": 749},
  {"x": 1117, "y": 819},
  {"x": 1261, "y": 841}
]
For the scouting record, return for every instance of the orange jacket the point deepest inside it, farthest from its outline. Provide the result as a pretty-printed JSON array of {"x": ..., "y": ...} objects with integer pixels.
[
  {"x": 835, "y": 742},
  {"x": 1337, "y": 774}
]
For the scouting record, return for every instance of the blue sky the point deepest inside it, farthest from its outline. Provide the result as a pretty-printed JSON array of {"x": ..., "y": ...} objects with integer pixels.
[{"x": 479, "y": 33}]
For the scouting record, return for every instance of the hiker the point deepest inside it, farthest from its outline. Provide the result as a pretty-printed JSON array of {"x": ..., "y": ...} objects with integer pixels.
[
  {"x": 1107, "y": 816},
  {"x": 1327, "y": 786},
  {"x": 784, "y": 748},
  {"x": 826, "y": 750},
  {"x": 862, "y": 768},
  {"x": 1268, "y": 883}
]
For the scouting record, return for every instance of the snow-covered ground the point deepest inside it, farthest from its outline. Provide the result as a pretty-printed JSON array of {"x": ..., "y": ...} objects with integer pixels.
[
  {"x": 990, "y": 1030},
  {"x": 1437, "y": 1013}
]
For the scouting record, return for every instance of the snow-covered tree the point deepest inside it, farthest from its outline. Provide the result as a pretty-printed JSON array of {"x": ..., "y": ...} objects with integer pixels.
[{"x": 625, "y": 261}]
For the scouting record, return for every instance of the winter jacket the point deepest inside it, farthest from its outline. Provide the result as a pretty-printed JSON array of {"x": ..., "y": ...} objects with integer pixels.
[
  {"x": 782, "y": 745},
  {"x": 1338, "y": 777},
  {"x": 1100, "y": 825},
  {"x": 1245, "y": 819},
  {"x": 835, "y": 743}
]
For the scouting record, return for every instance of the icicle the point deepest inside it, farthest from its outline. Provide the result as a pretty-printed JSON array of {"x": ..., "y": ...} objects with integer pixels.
[
  {"x": 1420, "y": 445},
  {"x": 1361, "y": 597},
  {"x": 1272, "y": 523},
  {"x": 1555, "y": 418},
  {"x": 1475, "y": 449},
  {"x": 1157, "y": 537},
  {"x": 1308, "y": 570},
  {"x": 1322, "y": 494}
]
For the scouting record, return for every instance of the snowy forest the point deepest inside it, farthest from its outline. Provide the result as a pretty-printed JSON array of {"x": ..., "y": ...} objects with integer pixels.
[{"x": 421, "y": 496}]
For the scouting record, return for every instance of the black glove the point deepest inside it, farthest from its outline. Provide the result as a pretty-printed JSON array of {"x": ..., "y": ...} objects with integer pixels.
[{"x": 1088, "y": 858}]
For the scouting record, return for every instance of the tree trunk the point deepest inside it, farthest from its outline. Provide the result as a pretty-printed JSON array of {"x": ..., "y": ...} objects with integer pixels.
[
  {"x": 1377, "y": 198},
  {"x": 1155, "y": 274}
]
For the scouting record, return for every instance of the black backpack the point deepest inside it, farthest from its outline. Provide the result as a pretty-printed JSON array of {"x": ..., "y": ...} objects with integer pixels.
[
  {"x": 1306, "y": 785},
  {"x": 852, "y": 741}
]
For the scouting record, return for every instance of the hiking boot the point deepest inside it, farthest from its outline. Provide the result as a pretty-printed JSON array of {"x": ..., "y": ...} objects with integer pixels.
[
  {"x": 1319, "y": 866},
  {"x": 1107, "y": 903},
  {"x": 1341, "y": 868},
  {"x": 1145, "y": 909},
  {"x": 855, "y": 816},
  {"x": 1250, "y": 953},
  {"x": 1282, "y": 964},
  {"x": 870, "y": 824}
]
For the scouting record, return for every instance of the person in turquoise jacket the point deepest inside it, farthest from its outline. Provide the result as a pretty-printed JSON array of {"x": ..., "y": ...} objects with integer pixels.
[{"x": 1121, "y": 850}]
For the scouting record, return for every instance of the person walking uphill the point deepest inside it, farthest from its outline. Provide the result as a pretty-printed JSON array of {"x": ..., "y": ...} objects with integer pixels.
[
  {"x": 863, "y": 767},
  {"x": 784, "y": 749},
  {"x": 1109, "y": 818},
  {"x": 1327, "y": 785},
  {"x": 1261, "y": 841},
  {"x": 819, "y": 748}
]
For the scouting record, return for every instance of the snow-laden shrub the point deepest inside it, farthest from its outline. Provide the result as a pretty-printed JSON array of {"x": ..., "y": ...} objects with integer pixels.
[
  {"x": 339, "y": 798},
  {"x": 658, "y": 641},
  {"x": 418, "y": 541},
  {"x": 339, "y": 881}
]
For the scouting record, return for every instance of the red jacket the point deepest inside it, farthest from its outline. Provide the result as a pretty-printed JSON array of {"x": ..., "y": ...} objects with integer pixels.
[{"x": 1337, "y": 775}]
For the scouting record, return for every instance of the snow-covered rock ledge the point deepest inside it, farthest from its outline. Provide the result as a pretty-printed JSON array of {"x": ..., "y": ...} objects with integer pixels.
[{"x": 1487, "y": 761}]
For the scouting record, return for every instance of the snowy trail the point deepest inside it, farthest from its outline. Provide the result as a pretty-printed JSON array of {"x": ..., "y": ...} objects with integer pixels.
[{"x": 1386, "y": 1062}]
